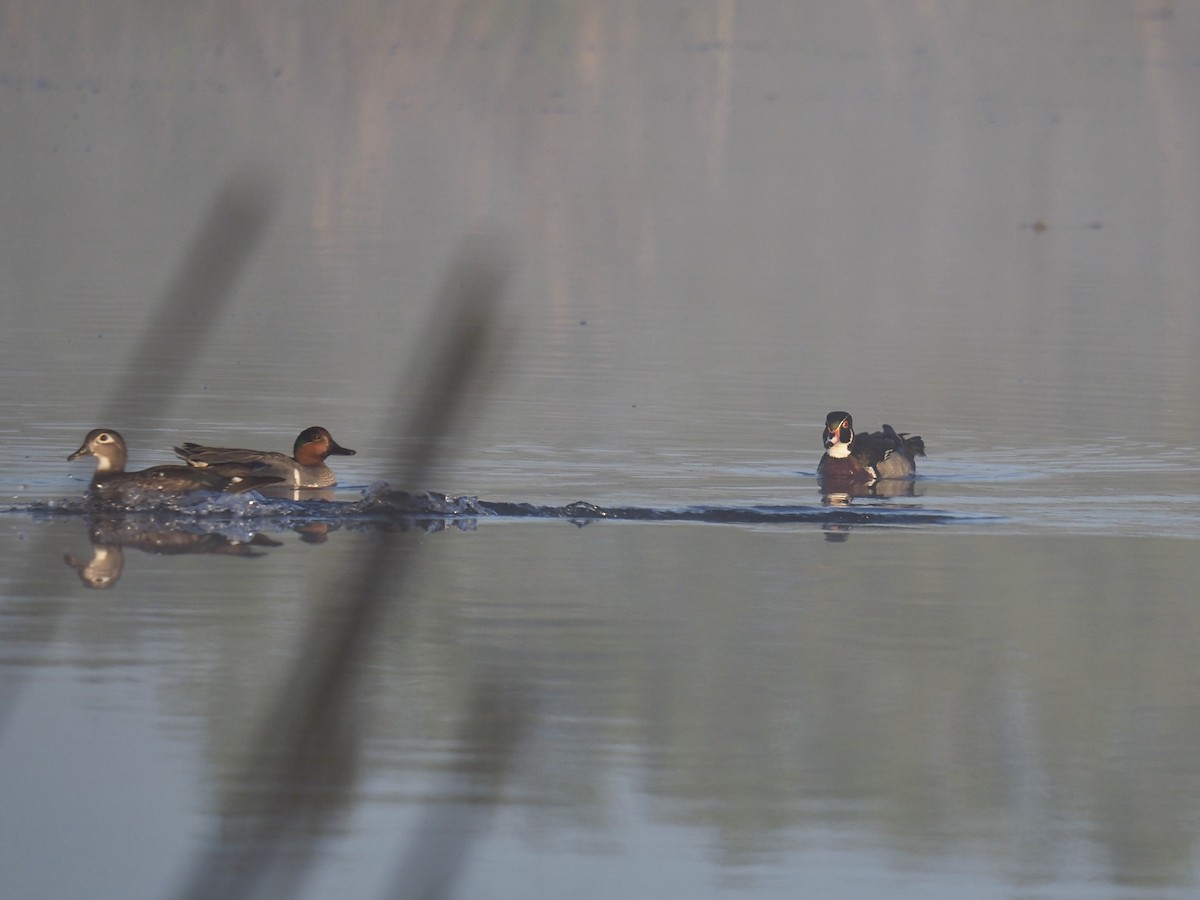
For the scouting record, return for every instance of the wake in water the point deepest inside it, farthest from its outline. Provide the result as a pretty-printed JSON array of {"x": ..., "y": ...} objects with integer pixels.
[
  {"x": 234, "y": 524},
  {"x": 380, "y": 505}
]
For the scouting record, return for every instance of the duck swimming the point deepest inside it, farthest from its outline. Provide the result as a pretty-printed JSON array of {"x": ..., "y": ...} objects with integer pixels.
[
  {"x": 112, "y": 483},
  {"x": 866, "y": 457},
  {"x": 305, "y": 468}
]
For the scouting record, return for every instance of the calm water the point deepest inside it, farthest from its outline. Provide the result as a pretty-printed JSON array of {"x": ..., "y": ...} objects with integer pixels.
[{"x": 973, "y": 221}]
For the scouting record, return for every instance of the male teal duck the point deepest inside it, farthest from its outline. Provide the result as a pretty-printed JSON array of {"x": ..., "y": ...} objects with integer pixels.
[
  {"x": 851, "y": 456},
  {"x": 305, "y": 468},
  {"x": 110, "y": 481}
]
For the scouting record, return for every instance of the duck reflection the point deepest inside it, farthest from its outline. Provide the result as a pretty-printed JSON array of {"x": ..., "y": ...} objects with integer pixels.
[
  {"x": 103, "y": 570},
  {"x": 842, "y": 492},
  {"x": 111, "y": 534},
  {"x": 285, "y": 492},
  {"x": 314, "y": 532}
]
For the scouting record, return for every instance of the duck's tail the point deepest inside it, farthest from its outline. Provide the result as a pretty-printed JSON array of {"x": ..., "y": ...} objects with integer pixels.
[{"x": 911, "y": 443}]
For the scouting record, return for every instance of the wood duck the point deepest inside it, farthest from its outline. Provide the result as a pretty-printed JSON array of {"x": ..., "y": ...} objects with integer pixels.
[
  {"x": 305, "y": 468},
  {"x": 110, "y": 482},
  {"x": 866, "y": 457}
]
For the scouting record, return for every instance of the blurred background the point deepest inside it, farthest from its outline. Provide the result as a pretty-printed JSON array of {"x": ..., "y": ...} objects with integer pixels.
[{"x": 975, "y": 221}]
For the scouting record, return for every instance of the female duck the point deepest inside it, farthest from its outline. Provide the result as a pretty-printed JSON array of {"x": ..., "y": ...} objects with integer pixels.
[
  {"x": 112, "y": 483},
  {"x": 305, "y": 468},
  {"x": 866, "y": 457}
]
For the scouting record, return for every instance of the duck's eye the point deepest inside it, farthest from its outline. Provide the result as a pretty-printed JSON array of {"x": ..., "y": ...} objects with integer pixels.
[{"x": 103, "y": 437}]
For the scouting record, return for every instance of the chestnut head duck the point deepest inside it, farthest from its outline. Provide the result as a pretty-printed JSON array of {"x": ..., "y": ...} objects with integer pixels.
[
  {"x": 110, "y": 481},
  {"x": 305, "y": 468},
  {"x": 866, "y": 457}
]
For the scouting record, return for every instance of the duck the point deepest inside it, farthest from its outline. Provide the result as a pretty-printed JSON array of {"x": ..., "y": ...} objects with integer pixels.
[
  {"x": 866, "y": 457},
  {"x": 305, "y": 468},
  {"x": 111, "y": 483}
]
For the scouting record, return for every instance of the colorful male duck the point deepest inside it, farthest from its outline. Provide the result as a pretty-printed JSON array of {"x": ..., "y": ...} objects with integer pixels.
[
  {"x": 305, "y": 468},
  {"x": 111, "y": 482},
  {"x": 866, "y": 457}
]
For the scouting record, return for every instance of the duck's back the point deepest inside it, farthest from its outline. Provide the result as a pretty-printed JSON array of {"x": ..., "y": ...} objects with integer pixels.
[
  {"x": 200, "y": 456},
  {"x": 160, "y": 482},
  {"x": 887, "y": 453}
]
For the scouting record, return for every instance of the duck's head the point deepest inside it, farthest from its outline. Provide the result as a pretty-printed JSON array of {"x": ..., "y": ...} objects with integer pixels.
[
  {"x": 107, "y": 446},
  {"x": 315, "y": 444},
  {"x": 838, "y": 433}
]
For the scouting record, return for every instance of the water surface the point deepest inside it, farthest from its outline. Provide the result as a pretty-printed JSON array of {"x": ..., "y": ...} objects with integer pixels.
[{"x": 975, "y": 222}]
